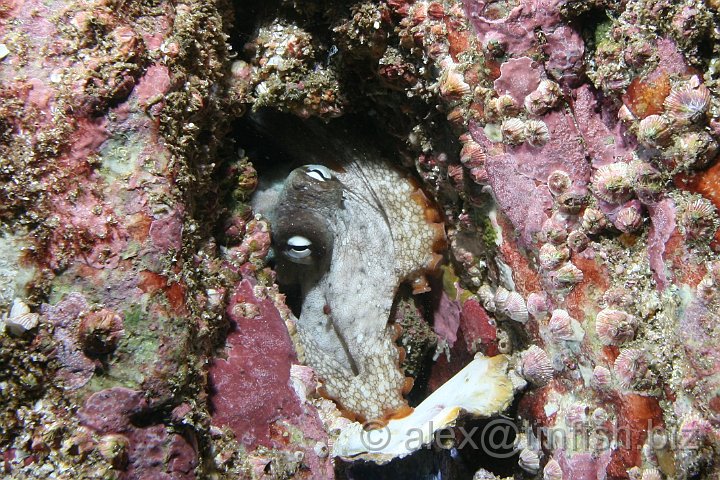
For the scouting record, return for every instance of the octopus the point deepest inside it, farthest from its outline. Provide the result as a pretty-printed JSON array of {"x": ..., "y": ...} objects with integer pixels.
[{"x": 349, "y": 230}]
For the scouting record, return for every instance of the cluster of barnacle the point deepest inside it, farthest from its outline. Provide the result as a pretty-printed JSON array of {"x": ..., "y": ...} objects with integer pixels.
[
  {"x": 615, "y": 184},
  {"x": 627, "y": 187},
  {"x": 425, "y": 26},
  {"x": 568, "y": 231},
  {"x": 677, "y": 139},
  {"x": 23, "y": 380},
  {"x": 52, "y": 444},
  {"x": 93, "y": 31},
  {"x": 284, "y": 73},
  {"x": 363, "y": 35},
  {"x": 522, "y": 123},
  {"x": 622, "y": 189},
  {"x": 472, "y": 157},
  {"x": 697, "y": 219},
  {"x": 623, "y": 50},
  {"x": 554, "y": 254},
  {"x": 504, "y": 302},
  {"x": 439, "y": 35}
]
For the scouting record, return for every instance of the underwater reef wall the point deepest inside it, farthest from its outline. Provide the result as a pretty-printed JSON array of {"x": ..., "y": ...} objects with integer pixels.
[
  {"x": 569, "y": 147},
  {"x": 102, "y": 105}
]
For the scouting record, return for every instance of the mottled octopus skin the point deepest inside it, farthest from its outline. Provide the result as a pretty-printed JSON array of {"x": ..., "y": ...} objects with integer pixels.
[{"x": 370, "y": 230}]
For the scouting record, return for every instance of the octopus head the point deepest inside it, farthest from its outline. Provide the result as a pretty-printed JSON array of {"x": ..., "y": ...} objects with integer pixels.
[{"x": 349, "y": 237}]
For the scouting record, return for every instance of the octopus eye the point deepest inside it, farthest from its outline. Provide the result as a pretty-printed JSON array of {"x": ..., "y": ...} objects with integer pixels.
[
  {"x": 319, "y": 172},
  {"x": 298, "y": 248}
]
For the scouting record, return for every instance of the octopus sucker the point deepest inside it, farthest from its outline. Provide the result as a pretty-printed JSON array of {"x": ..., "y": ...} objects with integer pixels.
[{"x": 349, "y": 228}]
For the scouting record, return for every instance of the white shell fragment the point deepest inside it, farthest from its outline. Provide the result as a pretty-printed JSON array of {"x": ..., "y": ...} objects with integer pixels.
[
  {"x": 482, "y": 389},
  {"x": 20, "y": 319}
]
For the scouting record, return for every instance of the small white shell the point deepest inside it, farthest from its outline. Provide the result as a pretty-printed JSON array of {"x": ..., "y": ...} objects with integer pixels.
[
  {"x": 599, "y": 416},
  {"x": 483, "y": 474},
  {"x": 625, "y": 115},
  {"x": 651, "y": 474},
  {"x": 529, "y": 461},
  {"x": 536, "y": 367},
  {"x": 487, "y": 296},
  {"x": 552, "y": 470},
  {"x": 339, "y": 424},
  {"x": 537, "y": 133},
  {"x": 515, "y": 308},
  {"x": 513, "y": 131},
  {"x": 321, "y": 449},
  {"x": 501, "y": 298},
  {"x": 20, "y": 319},
  {"x": 601, "y": 378},
  {"x": 303, "y": 380},
  {"x": 560, "y": 325}
]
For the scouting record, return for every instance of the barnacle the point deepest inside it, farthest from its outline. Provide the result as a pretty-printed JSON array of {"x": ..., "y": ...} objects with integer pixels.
[
  {"x": 651, "y": 474},
  {"x": 686, "y": 103},
  {"x": 613, "y": 182},
  {"x": 628, "y": 219},
  {"x": 601, "y": 378},
  {"x": 615, "y": 327},
  {"x": 698, "y": 220},
  {"x": 552, "y": 257},
  {"x": 558, "y": 182},
  {"x": 452, "y": 85},
  {"x": 529, "y": 460},
  {"x": 20, "y": 319},
  {"x": 472, "y": 154},
  {"x": 505, "y": 105},
  {"x": 594, "y": 221},
  {"x": 536, "y": 133},
  {"x": 536, "y": 367},
  {"x": 513, "y": 131},
  {"x": 654, "y": 130},
  {"x": 544, "y": 98},
  {"x": 552, "y": 470},
  {"x": 560, "y": 325},
  {"x": 577, "y": 241},
  {"x": 630, "y": 366}
]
